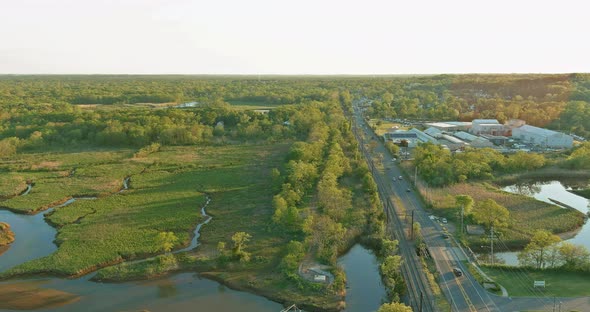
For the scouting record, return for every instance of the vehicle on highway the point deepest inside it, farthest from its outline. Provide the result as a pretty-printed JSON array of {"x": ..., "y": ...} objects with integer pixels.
[
  {"x": 393, "y": 178},
  {"x": 457, "y": 272},
  {"x": 400, "y": 177},
  {"x": 444, "y": 220},
  {"x": 445, "y": 235},
  {"x": 408, "y": 190}
]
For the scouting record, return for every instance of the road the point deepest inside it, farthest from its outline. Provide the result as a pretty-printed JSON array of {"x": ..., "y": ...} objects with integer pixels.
[{"x": 463, "y": 293}]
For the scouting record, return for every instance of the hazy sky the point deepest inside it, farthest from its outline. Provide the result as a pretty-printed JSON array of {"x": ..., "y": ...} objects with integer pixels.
[{"x": 293, "y": 37}]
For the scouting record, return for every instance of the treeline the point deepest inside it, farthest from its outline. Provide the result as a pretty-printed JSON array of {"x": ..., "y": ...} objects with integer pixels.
[
  {"x": 46, "y": 125},
  {"x": 557, "y": 101},
  {"x": 327, "y": 198},
  {"x": 439, "y": 167}
]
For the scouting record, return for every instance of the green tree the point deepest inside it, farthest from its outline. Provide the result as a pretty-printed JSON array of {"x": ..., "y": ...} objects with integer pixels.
[
  {"x": 489, "y": 213},
  {"x": 166, "y": 241},
  {"x": 574, "y": 256},
  {"x": 536, "y": 251},
  {"x": 394, "y": 307},
  {"x": 239, "y": 240}
]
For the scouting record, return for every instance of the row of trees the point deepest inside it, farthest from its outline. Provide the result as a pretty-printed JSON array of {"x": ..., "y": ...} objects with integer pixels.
[
  {"x": 439, "y": 167},
  {"x": 546, "y": 250}
]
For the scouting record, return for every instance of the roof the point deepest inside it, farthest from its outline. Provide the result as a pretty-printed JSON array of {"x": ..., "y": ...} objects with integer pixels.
[
  {"x": 537, "y": 131},
  {"x": 459, "y": 123},
  {"x": 452, "y": 139},
  {"x": 465, "y": 136},
  {"x": 422, "y": 136},
  {"x": 432, "y": 131},
  {"x": 485, "y": 121},
  {"x": 402, "y": 135},
  {"x": 440, "y": 124}
]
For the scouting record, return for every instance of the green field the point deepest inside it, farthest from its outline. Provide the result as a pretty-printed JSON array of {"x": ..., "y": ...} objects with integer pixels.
[
  {"x": 526, "y": 214},
  {"x": 519, "y": 282},
  {"x": 166, "y": 196}
]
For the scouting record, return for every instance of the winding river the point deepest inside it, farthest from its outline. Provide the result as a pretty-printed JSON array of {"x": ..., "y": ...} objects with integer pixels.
[{"x": 177, "y": 292}]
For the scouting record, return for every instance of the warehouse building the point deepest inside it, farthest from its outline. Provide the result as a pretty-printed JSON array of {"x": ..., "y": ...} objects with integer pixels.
[
  {"x": 488, "y": 126},
  {"x": 542, "y": 137}
]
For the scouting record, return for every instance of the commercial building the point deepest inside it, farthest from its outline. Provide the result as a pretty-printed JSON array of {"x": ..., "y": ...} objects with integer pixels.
[
  {"x": 488, "y": 126},
  {"x": 542, "y": 137},
  {"x": 473, "y": 140}
]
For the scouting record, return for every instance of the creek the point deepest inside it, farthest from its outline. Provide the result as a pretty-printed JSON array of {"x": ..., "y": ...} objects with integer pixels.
[{"x": 365, "y": 291}]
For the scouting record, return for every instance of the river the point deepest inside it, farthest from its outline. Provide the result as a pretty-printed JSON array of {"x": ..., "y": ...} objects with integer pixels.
[
  {"x": 364, "y": 292},
  {"x": 178, "y": 292},
  {"x": 555, "y": 190}
]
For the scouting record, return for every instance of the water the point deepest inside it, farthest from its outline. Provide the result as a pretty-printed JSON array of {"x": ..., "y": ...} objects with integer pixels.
[
  {"x": 180, "y": 292},
  {"x": 555, "y": 190},
  {"x": 364, "y": 292},
  {"x": 33, "y": 238}
]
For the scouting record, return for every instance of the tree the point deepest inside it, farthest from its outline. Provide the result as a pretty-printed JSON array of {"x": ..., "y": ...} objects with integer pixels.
[
  {"x": 574, "y": 256},
  {"x": 465, "y": 205},
  {"x": 239, "y": 240},
  {"x": 394, "y": 307},
  {"x": 535, "y": 252},
  {"x": 166, "y": 241},
  {"x": 489, "y": 213}
]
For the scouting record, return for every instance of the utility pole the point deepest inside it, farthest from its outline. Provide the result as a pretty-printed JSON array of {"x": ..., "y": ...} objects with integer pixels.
[
  {"x": 492, "y": 244},
  {"x": 421, "y": 297},
  {"x": 462, "y": 213},
  {"x": 412, "y": 226}
]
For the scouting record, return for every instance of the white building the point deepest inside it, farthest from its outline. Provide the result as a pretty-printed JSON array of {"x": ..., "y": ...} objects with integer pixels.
[
  {"x": 542, "y": 137},
  {"x": 487, "y": 126}
]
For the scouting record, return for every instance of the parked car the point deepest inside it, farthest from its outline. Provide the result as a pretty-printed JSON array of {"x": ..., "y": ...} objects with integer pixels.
[
  {"x": 400, "y": 177},
  {"x": 457, "y": 272},
  {"x": 408, "y": 190},
  {"x": 444, "y": 220},
  {"x": 445, "y": 235}
]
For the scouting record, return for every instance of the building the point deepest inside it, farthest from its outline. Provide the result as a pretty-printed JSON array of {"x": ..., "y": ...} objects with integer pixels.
[
  {"x": 542, "y": 137},
  {"x": 488, "y": 126},
  {"x": 412, "y": 136},
  {"x": 496, "y": 139},
  {"x": 473, "y": 140},
  {"x": 452, "y": 142},
  {"x": 449, "y": 126}
]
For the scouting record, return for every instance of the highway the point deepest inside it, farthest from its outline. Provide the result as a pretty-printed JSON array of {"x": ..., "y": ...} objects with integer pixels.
[{"x": 463, "y": 293}]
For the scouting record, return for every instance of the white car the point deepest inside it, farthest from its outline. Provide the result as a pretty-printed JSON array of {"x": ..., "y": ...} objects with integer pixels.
[{"x": 444, "y": 220}]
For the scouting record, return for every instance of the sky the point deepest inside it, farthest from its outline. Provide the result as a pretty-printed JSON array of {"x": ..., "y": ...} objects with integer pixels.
[{"x": 363, "y": 37}]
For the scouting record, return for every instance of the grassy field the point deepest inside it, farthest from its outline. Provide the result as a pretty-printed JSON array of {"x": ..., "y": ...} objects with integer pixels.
[
  {"x": 519, "y": 282},
  {"x": 384, "y": 126},
  {"x": 526, "y": 214},
  {"x": 167, "y": 190},
  {"x": 57, "y": 177}
]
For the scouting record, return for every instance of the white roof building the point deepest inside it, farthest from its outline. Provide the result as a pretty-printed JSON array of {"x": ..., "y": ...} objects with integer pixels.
[
  {"x": 542, "y": 137},
  {"x": 488, "y": 126}
]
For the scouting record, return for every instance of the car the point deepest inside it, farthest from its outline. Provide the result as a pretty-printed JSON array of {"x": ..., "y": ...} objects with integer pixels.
[
  {"x": 408, "y": 190},
  {"x": 445, "y": 235},
  {"x": 393, "y": 178},
  {"x": 400, "y": 177},
  {"x": 393, "y": 159},
  {"x": 444, "y": 220},
  {"x": 457, "y": 271}
]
